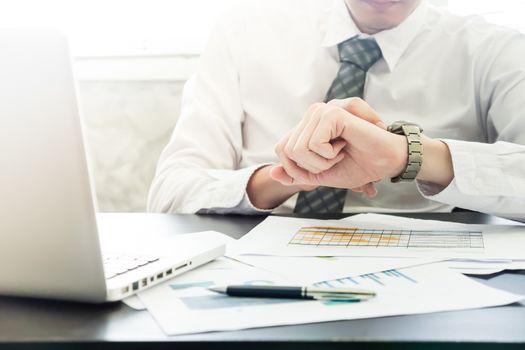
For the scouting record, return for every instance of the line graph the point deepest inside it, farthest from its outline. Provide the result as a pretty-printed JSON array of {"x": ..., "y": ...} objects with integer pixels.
[{"x": 358, "y": 237}]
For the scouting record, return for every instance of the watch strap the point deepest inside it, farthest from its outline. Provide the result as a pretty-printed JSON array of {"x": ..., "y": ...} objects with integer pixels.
[{"x": 414, "y": 146}]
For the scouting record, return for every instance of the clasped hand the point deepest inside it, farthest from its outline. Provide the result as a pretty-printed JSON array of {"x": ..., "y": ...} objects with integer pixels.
[{"x": 342, "y": 143}]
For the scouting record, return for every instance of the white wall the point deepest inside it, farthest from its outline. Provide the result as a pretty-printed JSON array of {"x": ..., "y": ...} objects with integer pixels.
[{"x": 127, "y": 125}]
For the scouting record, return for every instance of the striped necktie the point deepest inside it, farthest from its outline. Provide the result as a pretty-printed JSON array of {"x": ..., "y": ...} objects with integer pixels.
[{"x": 356, "y": 56}]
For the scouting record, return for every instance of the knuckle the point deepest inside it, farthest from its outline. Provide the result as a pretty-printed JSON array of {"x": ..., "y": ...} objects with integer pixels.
[
  {"x": 278, "y": 148},
  {"x": 331, "y": 114},
  {"x": 336, "y": 102},
  {"x": 354, "y": 102},
  {"x": 313, "y": 108},
  {"x": 316, "y": 146},
  {"x": 297, "y": 150},
  {"x": 288, "y": 150}
]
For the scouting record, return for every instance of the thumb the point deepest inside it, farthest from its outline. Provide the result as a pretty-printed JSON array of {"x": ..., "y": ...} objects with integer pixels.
[{"x": 278, "y": 173}]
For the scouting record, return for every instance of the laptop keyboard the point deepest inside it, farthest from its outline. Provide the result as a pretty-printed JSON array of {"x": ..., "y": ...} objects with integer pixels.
[{"x": 117, "y": 264}]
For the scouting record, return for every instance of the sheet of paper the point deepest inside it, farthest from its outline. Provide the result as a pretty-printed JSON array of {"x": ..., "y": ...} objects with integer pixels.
[
  {"x": 381, "y": 236},
  {"x": 223, "y": 271},
  {"x": 483, "y": 267},
  {"x": 134, "y": 303},
  {"x": 183, "y": 306},
  {"x": 309, "y": 270}
]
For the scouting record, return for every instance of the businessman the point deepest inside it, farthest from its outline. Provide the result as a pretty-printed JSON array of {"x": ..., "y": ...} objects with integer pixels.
[{"x": 322, "y": 79}]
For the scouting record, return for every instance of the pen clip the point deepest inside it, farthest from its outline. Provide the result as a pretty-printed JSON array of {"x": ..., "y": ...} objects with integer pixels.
[
  {"x": 339, "y": 291},
  {"x": 339, "y": 297}
]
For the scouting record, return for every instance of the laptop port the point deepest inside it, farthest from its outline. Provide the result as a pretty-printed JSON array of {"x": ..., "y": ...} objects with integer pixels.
[
  {"x": 144, "y": 282},
  {"x": 125, "y": 290},
  {"x": 135, "y": 285},
  {"x": 181, "y": 266},
  {"x": 168, "y": 272},
  {"x": 151, "y": 279},
  {"x": 160, "y": 275}
]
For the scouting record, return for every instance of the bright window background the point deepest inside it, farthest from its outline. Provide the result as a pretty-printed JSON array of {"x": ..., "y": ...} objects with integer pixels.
[
  {"x": 121, "y": 27},
  {"x": 173, "y": 27}
]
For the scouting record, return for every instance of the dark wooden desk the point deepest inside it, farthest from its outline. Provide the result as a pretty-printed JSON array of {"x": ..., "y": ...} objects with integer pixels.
[{"x": 26, "y": 323}]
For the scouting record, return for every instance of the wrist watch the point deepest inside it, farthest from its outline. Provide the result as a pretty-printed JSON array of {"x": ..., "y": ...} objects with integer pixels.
[{"x": 415, "y": 149}]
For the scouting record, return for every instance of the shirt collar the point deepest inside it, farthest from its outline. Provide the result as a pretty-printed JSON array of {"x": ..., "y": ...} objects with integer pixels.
[{"x": 339, "y": 26}]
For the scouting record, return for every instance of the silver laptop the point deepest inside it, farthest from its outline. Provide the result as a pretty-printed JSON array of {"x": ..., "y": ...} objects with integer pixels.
[{"x": 49, "y": 243}]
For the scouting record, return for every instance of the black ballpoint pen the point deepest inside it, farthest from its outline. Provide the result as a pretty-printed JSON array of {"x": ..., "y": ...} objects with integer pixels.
[{"x": 311, "y": 292}]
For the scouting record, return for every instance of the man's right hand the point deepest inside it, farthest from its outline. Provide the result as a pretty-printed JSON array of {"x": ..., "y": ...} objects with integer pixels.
[
  {"x": 268, "y": 188},
  {"x": 265, "y": 192}
]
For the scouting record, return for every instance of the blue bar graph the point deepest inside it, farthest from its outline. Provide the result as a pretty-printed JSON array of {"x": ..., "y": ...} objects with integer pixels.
[{"x": 380, "y": 278}]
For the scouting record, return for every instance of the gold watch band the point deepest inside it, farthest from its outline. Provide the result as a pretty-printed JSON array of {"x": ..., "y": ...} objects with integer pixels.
[{"x": 415, "y": 149}]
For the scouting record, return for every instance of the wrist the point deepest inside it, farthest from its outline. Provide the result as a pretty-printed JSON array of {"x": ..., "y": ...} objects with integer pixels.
[
  {"x": 265, "y": 192},
  {"x": 437, "y": 167},
  {"x": 398, "y": 156}
]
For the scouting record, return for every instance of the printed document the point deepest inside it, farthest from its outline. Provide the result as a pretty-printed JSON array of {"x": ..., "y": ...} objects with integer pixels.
[
  {"x": 381, "y": 236},
  {"x": 309, "y": 270},
  {"x": 184, "y": 305}
]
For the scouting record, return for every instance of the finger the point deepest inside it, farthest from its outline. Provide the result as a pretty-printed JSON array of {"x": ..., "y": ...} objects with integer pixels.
[
  {"x": 298, "y": 152},
  {"x": 279, "y": 147},
  {"x": 302, "y": 154},
  {"x": 296, "y": 132},
  {"x": 317, "y": 164},
  {"x": 370, "y": 190},
  {"x": 310, "y": 168},
  {"x": 359, "y": 108},
  {"x": 294, "y": 171},
  {"x": 357, "y": 189},
  {"x": 278, "y": 173},
  {"x": 338, "y": 145},
  {"x": 280, "y": 150},
  {"x": 328, "y": 128},
  {"x": 325, "y": 139}
]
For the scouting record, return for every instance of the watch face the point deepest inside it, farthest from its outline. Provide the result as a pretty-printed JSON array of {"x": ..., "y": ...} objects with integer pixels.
[{"x": 397, "y": 126}]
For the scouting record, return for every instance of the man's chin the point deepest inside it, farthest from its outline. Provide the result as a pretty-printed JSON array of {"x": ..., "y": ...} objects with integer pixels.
[
  {"x": 382, "y": 6},
  {"x": 381, "y": 23}
]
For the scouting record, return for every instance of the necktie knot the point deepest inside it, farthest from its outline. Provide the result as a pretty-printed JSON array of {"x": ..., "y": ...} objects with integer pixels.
[{"x": 361, "y": 52}]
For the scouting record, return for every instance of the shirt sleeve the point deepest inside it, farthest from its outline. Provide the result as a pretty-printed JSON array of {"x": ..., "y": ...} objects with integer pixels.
[
  {"x": 490, "y": 177},
  {"x": 198, "y": 170}
]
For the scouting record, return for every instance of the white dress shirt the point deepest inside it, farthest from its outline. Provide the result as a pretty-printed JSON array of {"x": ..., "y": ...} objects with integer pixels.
[{"x": 461, "y": 79}]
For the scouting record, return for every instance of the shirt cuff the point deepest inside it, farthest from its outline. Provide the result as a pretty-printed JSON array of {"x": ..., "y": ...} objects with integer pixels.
[
  {"x": 476, "y": 174},
  {"x": 479, "y": 168},
  {"x": 247, "y": 206},
  {"x": 438, "y": 193},
  {"x": 236, "y": 202}
]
